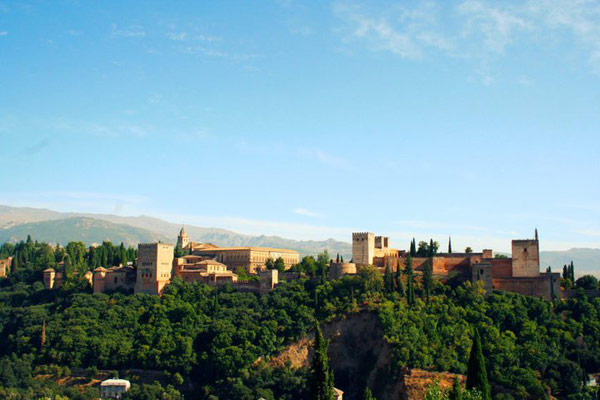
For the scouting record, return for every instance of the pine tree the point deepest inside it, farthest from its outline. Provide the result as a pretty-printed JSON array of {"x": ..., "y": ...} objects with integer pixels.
[
  {"x": 321, "y": 379},
  {"x": 368, "y": 395},
  {"x": 476, "y": 371},
  {"x": 449, "y": 245}
]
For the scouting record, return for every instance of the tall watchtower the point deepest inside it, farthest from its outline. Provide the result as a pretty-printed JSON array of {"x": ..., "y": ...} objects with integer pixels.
[
  {"x": 526, "y": 257},
  {"x": 363, "y": 248},
  {"x": 183, "y": 240},
  {"x": 154, "y": 267}
]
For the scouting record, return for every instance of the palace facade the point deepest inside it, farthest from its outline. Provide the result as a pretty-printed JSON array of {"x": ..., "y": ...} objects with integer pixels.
[{"x": 519, "y": 273}]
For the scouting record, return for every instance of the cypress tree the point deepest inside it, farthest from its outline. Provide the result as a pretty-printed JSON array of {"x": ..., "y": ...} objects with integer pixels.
[
  {"x": 410, "y": 285},
  {"x": 337, "y": 260},
  {"x": 413, "y": 248},
  {"x": 342, "y": 259},
  {"x": 449, "y": 245},
  {"x": 572, "y": 269},
  {"x": 431, "y": 249},
  {"x": 123, "y": 254},
  {"x": 368, "y": 395},
  {"x": 321, "y": 379},
  {"x": 455, "y": 393},
  {"x": 476, "y": 371},
  {"x": 428, "y": 278},
  {"x": 388, "y": 279},
  {"x": 398, "y": 279}
]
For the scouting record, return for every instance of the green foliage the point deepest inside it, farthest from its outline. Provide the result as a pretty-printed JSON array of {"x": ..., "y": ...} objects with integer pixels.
[
  {"x": 587, "y": 282},
  {"x": 321, "y": 380},
  {"x": 476, "y": 371},
  {"x": 410, "y": 281},
  {"x": 368, "y": 395},
  {"x": 434, "y": 392},
  {"x": 427, "y": 249},
  {"x": 208, "y": 339}
]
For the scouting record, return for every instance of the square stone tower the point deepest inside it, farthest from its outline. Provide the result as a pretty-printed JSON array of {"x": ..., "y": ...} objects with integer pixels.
[
  {"x": 525, "y": 258},
  {"x": 154, "y": 267},
  {"x": 363, "y": 248}
]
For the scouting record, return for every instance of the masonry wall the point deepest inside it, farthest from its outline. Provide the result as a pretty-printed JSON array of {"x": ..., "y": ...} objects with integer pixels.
[
  {"x": 501, "y": 267},
  {"x": 530, "y": 286},
  {"x": 123, "y": 279}
]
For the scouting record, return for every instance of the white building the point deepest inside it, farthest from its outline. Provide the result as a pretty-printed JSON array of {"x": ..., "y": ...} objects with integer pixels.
[{"x": 113, "y": 388}]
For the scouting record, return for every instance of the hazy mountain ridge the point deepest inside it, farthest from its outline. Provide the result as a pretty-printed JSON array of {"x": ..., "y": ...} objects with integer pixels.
[
  {"x": 52, "y": 226},
  {"x": 87, "y": 230},
  {"x": 17, "y": 222}
]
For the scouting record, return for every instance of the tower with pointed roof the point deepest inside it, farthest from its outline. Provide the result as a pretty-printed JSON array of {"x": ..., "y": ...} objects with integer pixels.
[{"x": 183, "y": 240}]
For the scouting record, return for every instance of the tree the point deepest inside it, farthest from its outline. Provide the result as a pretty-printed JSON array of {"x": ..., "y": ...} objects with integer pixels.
[
  {"x": 279, "y": 264},
  {"x": 413, "y": 248},
  {"x": 388, "y": 279},
  {"x": 410, "y": 285},
  {"x": 456, "y": 392},
  {"x": 321, "y": 375},
  {"x": 476, "y": 371},
  {"x": 270, "y": 263},
  {"x": 572, "y": 272},
  {"x": 428, "y": 278},
  {"x": 123, "y": 254},
  {"x": 449, "y": 245},
  {"x": 368, "y": 395},
  {"x": 468, "y": 250},
  {"x": 398, "y": 279},
  {"x": 587, "y": 282}
]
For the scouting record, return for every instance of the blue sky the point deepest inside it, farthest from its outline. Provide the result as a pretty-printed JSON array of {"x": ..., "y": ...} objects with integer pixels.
[{"x": 475, "y": 119}]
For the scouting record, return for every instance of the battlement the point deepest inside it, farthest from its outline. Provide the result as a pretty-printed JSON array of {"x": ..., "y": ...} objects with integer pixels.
[{"x": 362, "y": 235}]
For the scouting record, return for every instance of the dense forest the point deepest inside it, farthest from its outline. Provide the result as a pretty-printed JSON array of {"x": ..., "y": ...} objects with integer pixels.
[{"x": 209, "y": 343}]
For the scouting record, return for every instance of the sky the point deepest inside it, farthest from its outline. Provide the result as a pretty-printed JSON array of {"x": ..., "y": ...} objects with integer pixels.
[{"x": 474, "y": 119}]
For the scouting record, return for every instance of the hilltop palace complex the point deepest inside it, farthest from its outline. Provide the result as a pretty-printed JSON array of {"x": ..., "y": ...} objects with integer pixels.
[{"x": 156, "y": 266}]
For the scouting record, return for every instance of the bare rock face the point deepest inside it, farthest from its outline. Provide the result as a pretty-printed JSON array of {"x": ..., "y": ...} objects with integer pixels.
[{"x": 360, "y": 356}]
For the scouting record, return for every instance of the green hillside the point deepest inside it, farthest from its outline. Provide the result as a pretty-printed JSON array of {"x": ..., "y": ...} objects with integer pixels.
[{"x": 87, "y": 230}]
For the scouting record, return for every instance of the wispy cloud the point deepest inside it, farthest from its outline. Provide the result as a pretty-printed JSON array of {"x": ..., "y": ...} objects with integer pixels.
[
  {"x": 477, "y": 29},
  {"x": 400, "y": 30},
  {"x": 325, "y": 158},
  {"x": 178, "y": 36},
  {"x": 131, "y": 31},
  {"x": 306, "y": 213},
  {"x": 100, "y": 129}
]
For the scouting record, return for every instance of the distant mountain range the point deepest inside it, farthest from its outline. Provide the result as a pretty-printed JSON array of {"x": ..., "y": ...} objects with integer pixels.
[{"x": 57, "y": 227}]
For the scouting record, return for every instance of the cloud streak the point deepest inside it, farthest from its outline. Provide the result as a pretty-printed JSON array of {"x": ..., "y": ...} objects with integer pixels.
[
  {"x": 478, "y": 29},
  {"x": 306, "y": 213}
]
